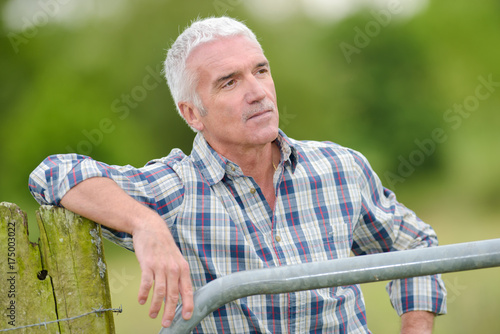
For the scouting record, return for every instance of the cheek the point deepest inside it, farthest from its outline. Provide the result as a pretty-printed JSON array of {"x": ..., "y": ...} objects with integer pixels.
[
  {"x": 229, "y": 109},
  {"x": 271, "y": 89},
  {"x": 224, "y": 115}
]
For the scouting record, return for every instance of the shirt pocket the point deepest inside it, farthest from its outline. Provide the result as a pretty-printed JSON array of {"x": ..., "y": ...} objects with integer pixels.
[{"x": 332, "y": 243}]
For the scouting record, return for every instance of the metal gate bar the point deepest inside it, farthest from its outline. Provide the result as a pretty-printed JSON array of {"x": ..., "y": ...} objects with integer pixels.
[{"x": 348, "y": 271}]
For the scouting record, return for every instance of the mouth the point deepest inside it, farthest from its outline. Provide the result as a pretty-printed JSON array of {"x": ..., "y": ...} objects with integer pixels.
[{"x": 259, "y": 114}]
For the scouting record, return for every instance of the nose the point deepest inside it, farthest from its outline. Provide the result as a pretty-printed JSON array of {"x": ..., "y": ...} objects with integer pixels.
[{"x": 256, "y": 91}]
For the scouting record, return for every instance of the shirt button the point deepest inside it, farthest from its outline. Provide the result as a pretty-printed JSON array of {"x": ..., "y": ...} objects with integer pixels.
[
  {"x": 252, "y": 190},
  {"x": 278, "y": 238}
]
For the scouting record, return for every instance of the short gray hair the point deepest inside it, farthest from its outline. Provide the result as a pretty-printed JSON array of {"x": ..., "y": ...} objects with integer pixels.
[{"x": 181, "y": 83}]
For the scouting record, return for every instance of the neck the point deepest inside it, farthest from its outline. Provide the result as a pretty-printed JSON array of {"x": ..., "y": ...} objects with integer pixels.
[
  {"x": 260, "y": 164},
  {"x": 257, "y": 162}
]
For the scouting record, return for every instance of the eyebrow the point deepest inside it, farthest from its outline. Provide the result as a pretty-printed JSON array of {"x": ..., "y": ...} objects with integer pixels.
[
  {"x": 220, "y": 80},
  {"x": 225, "y": 77}
]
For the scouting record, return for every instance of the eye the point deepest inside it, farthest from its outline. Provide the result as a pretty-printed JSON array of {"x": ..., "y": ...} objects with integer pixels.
[
  {"x": 229, "y": 84},
  {"x": 263, "y": 70}
]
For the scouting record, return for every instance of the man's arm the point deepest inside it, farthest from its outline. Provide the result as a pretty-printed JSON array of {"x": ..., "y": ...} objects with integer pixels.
[
  {"x": 103, "y": 201},
  {"x": 417, "y": 322},
  {"x": 386, "y": 225}
]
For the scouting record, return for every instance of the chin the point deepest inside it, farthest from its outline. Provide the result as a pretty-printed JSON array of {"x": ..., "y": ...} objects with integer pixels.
[{"x": 265, "y": 135}]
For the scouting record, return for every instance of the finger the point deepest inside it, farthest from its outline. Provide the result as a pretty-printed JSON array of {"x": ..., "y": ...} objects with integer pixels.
[
  {"x": 145, "y": 287},
  {"x": 158, "y": 295},
  {"x": 172, "y": 298},
  {"x": 186, "y": 290}
]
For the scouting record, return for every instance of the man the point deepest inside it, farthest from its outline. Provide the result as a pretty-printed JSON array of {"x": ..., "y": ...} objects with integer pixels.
[{"x": 246, "y": 197}]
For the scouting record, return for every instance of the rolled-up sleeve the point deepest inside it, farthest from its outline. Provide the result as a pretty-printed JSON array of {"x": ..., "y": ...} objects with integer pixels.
[
  {"x": 57, "y": 174},
  {"x": 48, "y": 183},
  {"x": 386, "y": 225}
]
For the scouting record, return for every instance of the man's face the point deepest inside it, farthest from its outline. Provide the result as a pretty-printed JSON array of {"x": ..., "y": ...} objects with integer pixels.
[{"x": 237, "y": 92}]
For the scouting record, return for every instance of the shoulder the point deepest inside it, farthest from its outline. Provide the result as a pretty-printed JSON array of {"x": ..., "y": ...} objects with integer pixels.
[
  {"x": 326, "y": 151},
  {"x": 167, "y": 165},
  {"x": 159, "y": 172},
  {"x": 336, "y": 159},
  {"x": 174, "y": 157}
]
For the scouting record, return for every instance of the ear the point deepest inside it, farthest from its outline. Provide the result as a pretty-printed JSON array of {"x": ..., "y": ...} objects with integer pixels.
[{"x": 192, "y": 115}]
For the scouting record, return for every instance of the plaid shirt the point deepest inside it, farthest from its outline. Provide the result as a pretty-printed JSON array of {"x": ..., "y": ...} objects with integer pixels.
[{"x": 329, "y": 202}]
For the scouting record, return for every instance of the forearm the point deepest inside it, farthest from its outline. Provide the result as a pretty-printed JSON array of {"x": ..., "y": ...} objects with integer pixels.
[
  {"x": 417, "y": 322},
  {"x": 103, "y": 201}
]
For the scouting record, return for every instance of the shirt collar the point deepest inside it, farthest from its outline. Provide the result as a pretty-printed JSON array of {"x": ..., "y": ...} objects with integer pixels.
[{"x": 214, "y": 166}]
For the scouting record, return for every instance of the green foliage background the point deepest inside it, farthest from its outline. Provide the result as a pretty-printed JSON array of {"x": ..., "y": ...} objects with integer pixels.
[{"x": 98, "y": 78}]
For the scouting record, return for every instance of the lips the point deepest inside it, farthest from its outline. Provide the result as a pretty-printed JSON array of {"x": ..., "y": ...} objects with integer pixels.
[
  {"x": 260, "y": 113},
  {"x": 260, "y": 110}
]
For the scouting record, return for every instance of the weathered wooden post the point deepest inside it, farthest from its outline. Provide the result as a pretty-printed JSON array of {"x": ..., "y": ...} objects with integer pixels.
[
  {"x": 25, "y": 298},
  {"x": 60, "y": 283}
]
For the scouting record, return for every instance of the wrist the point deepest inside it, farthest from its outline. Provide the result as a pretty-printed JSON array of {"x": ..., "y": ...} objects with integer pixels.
[
  {"x": 146, "y": 219},
  {"x": 417, "y": 322}
]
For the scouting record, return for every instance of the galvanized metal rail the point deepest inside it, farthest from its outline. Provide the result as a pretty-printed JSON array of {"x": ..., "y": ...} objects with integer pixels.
[{"x": 353, "y": 270}]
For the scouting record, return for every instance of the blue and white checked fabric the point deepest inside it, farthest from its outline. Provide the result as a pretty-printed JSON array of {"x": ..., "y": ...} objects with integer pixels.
[{"x": 329, "y": 203}]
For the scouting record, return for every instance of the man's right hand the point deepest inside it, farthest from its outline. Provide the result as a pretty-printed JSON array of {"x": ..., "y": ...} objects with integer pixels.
[{"x": 162, "y": 264}]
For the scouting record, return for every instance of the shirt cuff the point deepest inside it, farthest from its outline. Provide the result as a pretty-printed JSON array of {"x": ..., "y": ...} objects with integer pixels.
[{"x": 425, "y": 293}]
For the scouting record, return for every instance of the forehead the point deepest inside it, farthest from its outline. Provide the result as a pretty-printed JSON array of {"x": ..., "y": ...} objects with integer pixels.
[{"x": 225, "y": 54}]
